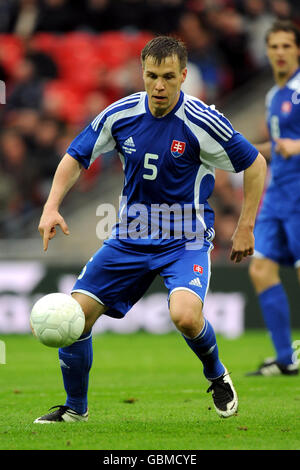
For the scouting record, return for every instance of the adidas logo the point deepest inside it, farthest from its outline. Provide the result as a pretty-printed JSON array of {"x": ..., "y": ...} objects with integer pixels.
[
  {"x": 129, "y": 142},
  {"x": 129, "y": 145},
  {"x": 195, "y": 282},
  {"x": 63, "y": 364}
]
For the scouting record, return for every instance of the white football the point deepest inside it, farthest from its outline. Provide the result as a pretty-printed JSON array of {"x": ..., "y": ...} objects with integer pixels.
[{"x": 57, "y": 320}]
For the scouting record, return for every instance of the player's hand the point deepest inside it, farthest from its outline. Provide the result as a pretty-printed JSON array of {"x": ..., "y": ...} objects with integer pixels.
[
  {"x": 47, "y": 226},
  {"x": 287, "y": 147},
  {"x": 242, "y": 244}
]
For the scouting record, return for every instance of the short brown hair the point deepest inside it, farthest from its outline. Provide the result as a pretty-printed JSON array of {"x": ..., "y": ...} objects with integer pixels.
[
  {"x": 287, "y": 27},
  {"x": 165, "y": 46}
]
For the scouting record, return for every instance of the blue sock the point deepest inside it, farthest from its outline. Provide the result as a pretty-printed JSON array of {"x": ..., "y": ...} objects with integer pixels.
[
  {"x": 205, "y": 347},
  {"x": 276, "y": 313},
  {"x": 75, "y": 362}
]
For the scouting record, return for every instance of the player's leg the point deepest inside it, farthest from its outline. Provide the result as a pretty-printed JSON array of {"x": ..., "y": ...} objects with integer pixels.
[
  {"x": 186, "y": 314},
  {"x": 271, "y": 250},
  {"x": 92, "y": 309},
  {"x": 113, "y": 277},
  {"x": 75, "y": 362},
  {"x": 264, "y": 274},
  {"x": 274, "y": 305},
  {"x": 187, "y": 280}
]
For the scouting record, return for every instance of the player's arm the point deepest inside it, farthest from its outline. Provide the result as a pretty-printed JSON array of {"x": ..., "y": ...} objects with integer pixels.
[
  {"x": 265, "y": 145},
  {"x": 243, "y": 238},
  {"x": 66, "y": 175}
]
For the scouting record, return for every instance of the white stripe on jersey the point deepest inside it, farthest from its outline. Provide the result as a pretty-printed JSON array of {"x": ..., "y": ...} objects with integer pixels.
[
  {"x": 123, "y": 101},
  {"x": 212, "y": 117},
  {"x": 203, "y": 171},
  {"x": 105, "y": 141},
  {"x": 204, "y": 118},
  {"x": 210, "y": 234},
  {"x": 294, "y": 83},
  {"x": 211, "y": 151}
]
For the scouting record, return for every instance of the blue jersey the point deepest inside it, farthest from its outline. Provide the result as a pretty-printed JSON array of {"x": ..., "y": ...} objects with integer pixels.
[
  {"x": 283, "y": 118},
  {"x": 167, "y": 161}
]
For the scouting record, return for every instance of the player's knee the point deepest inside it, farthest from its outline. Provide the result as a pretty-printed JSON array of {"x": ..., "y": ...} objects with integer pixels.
[
  {"x": 256, "y": 271},
  {"x": 186, "y": 312},
  {"x": 187, "y": 324},
  {"x": 259, "y": 270},
  {"x": 263, "y": 273},
  {"x": 91, "y": 309},
  {"x": 187, "y": 319}
]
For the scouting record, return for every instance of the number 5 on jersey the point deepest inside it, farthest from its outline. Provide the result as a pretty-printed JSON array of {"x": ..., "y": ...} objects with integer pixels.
[{"x": 150, "y": 166}]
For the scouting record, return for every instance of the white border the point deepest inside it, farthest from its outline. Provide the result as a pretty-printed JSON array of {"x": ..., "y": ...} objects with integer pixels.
[
  {"x": 82, "y": 291},
  {"x": 184, "y": 288}
]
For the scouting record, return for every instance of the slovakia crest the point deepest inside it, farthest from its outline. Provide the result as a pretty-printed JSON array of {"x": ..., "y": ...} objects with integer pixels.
[
  {"x": 286, "y": 107},
  {"x": 198, "y": 269},
  {"x": 177, "y": 148}
]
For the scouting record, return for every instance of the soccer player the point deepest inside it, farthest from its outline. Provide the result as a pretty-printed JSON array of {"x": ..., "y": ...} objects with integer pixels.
[
  {"x": 169, "y": 144},
  {"x": 277, "y": 231}
]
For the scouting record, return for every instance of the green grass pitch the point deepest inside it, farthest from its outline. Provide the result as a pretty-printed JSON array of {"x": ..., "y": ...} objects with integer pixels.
[{"x": 147, "y": 392}]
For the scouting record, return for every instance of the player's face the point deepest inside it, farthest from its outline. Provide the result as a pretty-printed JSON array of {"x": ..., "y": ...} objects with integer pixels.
[
  {"x": 162, "y": 83},
  {"x": 283, "y": 53}
]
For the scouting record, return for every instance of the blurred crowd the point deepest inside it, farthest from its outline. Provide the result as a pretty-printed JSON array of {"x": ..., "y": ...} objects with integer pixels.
[{"x": 64, "y": 61}]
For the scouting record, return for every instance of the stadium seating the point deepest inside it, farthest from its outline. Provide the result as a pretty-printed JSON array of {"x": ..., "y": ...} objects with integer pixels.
[
  {"x": 11, "y": 51},
  {"x": 82, "y": 59}
]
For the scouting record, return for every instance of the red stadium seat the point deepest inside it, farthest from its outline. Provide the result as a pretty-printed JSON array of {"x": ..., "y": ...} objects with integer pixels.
[
  {"x": 46, "y": 42},
  {"x": 89, "y": 178},
  {"x": 138, "y": 41},
  {"x": 77, "y": 46},
  {"x": 11, "y": 51},
  {"x": 83, "y": 73},
  {"x": 77, "y": 60},
  {"x": 86, "y": 62},
  {"x": 64, "y": 100},
  {"x": 113, "y": 48}
]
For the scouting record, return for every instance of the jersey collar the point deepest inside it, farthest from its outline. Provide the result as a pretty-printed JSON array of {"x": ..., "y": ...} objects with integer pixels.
[
  {"x": 173, "y": 111},
  {"x": 293, "y": 76}
]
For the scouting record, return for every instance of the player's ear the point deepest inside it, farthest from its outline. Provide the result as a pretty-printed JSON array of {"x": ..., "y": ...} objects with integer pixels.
[{"x": 183, "y": 75}]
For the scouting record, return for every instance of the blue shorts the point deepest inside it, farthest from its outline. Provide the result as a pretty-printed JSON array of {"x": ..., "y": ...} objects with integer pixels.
[
  {"x": 118, "y": 276},
  {"x": 277, "y": 237}
]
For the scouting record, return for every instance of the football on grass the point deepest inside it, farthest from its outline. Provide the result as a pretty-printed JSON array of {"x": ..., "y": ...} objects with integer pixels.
[{"x": 57, "y": 320}]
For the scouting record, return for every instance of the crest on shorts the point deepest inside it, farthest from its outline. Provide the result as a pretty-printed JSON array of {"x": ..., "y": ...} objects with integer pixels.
[
  {"x": 177, "y": 148},
  {"x": 198, "y": 269}
]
